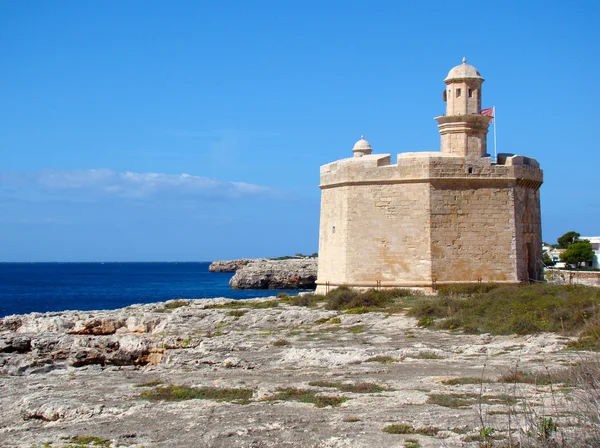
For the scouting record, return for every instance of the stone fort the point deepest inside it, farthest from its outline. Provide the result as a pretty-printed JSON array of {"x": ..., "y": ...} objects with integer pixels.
[{"x": 432, "y": 218}]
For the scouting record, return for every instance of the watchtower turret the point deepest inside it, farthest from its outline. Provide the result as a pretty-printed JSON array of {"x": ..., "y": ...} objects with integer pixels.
[{"x": 463, "y": 129}]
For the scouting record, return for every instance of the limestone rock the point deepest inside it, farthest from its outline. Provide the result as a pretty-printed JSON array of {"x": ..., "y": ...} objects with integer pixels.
[
  {"x": 277, "y": 274},
  {"x": 231, "y": 265}
]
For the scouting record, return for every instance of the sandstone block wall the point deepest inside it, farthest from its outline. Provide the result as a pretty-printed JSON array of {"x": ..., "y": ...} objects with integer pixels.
[{"x": 430, "y": 218}]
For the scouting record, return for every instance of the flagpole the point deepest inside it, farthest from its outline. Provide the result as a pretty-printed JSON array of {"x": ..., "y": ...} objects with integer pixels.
[{"x": 495, "y": 151}]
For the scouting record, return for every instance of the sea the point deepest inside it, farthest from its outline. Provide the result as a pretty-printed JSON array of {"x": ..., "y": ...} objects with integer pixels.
[{"x": 41, "y": 287}]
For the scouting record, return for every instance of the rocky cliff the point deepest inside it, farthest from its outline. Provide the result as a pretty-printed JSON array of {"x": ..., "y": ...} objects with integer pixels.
[
  {"x": 231, "y": 265},
  {"x": 294, "y": 273}
]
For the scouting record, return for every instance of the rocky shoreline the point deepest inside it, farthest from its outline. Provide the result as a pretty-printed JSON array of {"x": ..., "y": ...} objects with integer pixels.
[
  {"x": 71, "y": 375},
  {"x": 264, "y": 273}
]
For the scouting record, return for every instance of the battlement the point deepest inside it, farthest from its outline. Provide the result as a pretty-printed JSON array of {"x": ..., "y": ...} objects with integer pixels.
[{"x": 428, "y": 166}]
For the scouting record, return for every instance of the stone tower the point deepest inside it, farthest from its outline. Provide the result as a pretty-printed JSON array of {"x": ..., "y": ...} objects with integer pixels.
[
  {"x": 432, "y": 218},
  {"x": 463, "y": 129}
]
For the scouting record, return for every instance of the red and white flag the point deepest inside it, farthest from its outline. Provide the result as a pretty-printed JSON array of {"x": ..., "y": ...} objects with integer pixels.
[{"x": 489, "y": 112}]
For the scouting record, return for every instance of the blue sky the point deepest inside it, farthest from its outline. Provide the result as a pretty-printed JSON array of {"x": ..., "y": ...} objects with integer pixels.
[{"x": 194, "y": 130}]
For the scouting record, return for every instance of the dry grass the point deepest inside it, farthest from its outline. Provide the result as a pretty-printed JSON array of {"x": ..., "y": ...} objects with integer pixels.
[{"x": 523, "y": 309}]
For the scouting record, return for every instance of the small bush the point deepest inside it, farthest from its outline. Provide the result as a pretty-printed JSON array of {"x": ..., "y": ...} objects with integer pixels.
[
  {"x": 426, "y": 321},
  {"x": 237, "y": 313},
  {"x": 280, "y": 343}
]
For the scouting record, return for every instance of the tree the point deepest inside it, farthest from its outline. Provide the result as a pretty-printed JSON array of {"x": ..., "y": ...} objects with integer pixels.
[
  {"x": 567, "y": 239},
  {"x": 578, "y": 252},
  {"x": 547, "y": 260}
]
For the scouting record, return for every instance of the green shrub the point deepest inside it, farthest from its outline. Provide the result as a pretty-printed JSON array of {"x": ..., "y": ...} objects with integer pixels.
[
  {"x": 344, "y": 298},
  {"x": 180, "y": 393}
]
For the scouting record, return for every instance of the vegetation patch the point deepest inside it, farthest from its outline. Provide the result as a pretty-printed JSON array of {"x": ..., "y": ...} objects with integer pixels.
[
  {"x": 237, "y": 313},
  {"x": 466, "y": 400},
  {"x": 382, "y": 359},
  {"x": 563, "y": 376},
  {"x": 358, "y": 388},
  {"x": 513, "y": 309},
  {"x": 246, "y": 304},
  {"x": 344, "y": 298},
  {"x": 412, "y": 443},
  {"x": 306, "y": 396},
  {"x": 465, "y": 380},
  {"x": 427, "y": 355},
  {"x": 307, "y": 300},
  {"x": 89, "y": 441},
  {"x": 280, "y": 343},
  {"x": 351, "y": 419},
  {"x": 402, "y": 428},
  {"x": 356, "y": 329},
  {"x": 180, "y": 393},
  {"x": 174, "y": 304}
]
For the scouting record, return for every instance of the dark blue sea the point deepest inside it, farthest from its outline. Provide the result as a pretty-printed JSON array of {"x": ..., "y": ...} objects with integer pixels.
[{"x": 41, "y": 287}]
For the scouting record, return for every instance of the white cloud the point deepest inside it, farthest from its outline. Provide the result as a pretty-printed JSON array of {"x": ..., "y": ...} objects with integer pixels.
[{"x": 127, "y": 184}]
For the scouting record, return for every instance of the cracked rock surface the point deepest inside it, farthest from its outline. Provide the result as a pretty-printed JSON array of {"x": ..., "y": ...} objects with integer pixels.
[{"x": 73, "y": 373}]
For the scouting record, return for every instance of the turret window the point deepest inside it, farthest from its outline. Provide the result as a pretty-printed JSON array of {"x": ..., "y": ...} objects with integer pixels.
[
  {"x": 470, "y": 93},
  {"x": 458, "y": 93},
  {"x": 445, "y": 96}
]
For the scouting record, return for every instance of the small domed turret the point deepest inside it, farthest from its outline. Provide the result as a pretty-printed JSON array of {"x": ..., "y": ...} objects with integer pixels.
[
  {"x": 362, "y": 147},
  {"x": 463, "y": 71}
]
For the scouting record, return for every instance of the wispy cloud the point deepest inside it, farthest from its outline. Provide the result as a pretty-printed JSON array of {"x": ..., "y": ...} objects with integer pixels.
[{"x": 132, "y": 185}]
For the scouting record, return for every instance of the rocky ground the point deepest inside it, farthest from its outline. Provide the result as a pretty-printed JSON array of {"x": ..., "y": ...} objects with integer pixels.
[{"x": 67, "y": 378}]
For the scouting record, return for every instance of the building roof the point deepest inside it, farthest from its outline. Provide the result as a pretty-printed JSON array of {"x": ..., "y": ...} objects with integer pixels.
[{"x": 463, "y": 71}]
